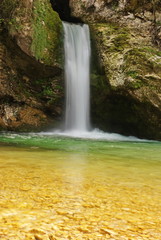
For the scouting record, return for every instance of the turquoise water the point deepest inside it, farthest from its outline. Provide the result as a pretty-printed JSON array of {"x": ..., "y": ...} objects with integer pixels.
[{"x": 145, "y": 150}]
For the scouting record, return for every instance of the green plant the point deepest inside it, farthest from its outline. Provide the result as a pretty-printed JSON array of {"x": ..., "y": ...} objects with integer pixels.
[
  {"x": 48, "y": 91},
  {"x": 132, "y": 74}
]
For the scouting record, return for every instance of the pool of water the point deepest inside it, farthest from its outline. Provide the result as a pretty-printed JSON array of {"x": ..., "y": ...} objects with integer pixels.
[{"x": 65, "y": 188}]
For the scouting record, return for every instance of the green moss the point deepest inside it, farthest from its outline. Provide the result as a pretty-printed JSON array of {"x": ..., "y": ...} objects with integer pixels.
[
  {"x": 136, "y": 85},
  {"x": 132, "y": 74},
  {"x": 109, "y": 28},
  {"x": 47, "y": 29},
  {"x": 120, "y": 39},
  {"x": 152, "y": 51},
  {"x": 112, "y": 36},
  {"x": 136, "y": 53},
  {"x": 143, "y": 60},
  {"x": 48, "y": 91},
  {"x": 138, "y": 64},
  {"x": 137, "y": 60},
  {"x": 120, "y": 42}
]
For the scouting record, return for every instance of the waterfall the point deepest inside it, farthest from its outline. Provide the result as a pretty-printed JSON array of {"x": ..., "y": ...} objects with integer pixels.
[{"x": 77, "y": 71}]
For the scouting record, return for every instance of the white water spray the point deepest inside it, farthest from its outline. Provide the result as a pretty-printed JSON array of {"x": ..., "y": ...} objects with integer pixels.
[{"x": 77, "y": 71}]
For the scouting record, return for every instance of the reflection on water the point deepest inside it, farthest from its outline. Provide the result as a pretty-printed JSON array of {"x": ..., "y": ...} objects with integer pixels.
[{"x": 95, "y": 191}]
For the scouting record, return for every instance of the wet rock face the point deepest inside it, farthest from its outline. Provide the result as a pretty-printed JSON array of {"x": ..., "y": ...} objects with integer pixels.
[
  {"x": 31, "y": 88},
  {"x": 126, "y": 73}
]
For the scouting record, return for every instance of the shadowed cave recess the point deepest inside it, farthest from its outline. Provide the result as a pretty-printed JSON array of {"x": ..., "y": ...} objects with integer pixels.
[{"x": 63, "y": 9}]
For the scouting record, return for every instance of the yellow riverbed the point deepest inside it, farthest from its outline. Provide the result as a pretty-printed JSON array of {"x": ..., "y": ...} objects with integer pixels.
[{"x": 48, "y": 195}]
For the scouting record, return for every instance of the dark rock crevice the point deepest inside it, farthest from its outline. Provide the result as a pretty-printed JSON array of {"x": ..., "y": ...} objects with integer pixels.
[{"x": 63, "y": 9}]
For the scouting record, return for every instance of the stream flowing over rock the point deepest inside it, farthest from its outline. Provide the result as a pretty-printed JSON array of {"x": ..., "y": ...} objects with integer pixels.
[{"x": 125, "y": 68}]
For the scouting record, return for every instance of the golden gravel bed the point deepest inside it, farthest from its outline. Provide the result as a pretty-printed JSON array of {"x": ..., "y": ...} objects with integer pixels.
[{"x": 46, "y": 195}]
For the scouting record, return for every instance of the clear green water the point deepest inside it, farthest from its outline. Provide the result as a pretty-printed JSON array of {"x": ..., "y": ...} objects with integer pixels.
[{"x": 63, "y": 188}]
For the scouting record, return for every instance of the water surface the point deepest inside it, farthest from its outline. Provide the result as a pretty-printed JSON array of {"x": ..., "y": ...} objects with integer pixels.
[{"x": 62, "y": 188}]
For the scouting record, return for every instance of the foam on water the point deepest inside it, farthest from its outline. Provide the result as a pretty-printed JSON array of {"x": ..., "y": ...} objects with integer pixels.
[{"x": 95, "y": 134}]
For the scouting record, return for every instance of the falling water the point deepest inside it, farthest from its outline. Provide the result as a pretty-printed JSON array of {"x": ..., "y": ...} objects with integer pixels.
[{"x": 77, "y": 70}]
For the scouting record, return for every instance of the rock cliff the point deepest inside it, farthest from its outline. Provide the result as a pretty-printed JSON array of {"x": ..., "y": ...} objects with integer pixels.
[
  {"x": 31, "y": 86},
  {"x": 126, "y": 71}
]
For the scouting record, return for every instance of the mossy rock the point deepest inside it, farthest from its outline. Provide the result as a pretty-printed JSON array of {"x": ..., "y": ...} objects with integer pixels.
[
  {"x": 142, "y": 67},
  {"x": 111, "y": 42},
  {"x": 36, "y": 28},
  {"x": 126, "y": 97},
  {"x": 47, "y": 33},
  {"x": 112, "y": 36}
]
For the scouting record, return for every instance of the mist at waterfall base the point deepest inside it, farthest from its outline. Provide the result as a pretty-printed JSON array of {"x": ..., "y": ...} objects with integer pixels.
[{"x": 77, "y": 83}]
